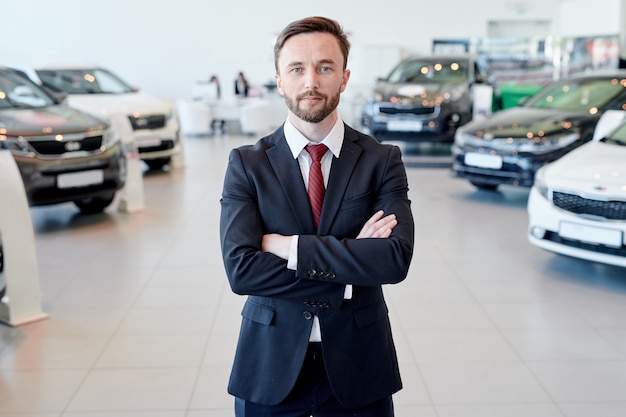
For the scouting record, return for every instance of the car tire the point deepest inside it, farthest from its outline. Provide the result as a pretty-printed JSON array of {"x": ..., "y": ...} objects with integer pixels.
[
  {"x": 94, "y": 205},
  {"x": 158, "y": 163},
  {"x": 484, "y": 186}
]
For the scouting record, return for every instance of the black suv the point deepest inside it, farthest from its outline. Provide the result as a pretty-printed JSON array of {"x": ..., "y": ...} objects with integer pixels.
[
  {"x": 424, "y": 98},
  {"x": 511, "y": 145}
]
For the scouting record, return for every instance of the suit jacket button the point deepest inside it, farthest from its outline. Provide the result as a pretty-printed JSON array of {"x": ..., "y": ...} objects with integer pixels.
[{"x": 307, "y": 315}]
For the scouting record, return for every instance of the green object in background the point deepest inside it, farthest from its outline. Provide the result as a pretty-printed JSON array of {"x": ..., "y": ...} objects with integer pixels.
[{"x": 510, "y": 95}]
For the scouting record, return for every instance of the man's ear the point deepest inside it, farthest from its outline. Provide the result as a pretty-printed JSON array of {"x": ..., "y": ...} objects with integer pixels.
[
  {"x": 344, "y": 80},
  {"x": 279, "y": 84}
]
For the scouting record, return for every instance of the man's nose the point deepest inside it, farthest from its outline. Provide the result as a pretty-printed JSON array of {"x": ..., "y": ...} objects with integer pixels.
[{"x": 312, "y": 80}]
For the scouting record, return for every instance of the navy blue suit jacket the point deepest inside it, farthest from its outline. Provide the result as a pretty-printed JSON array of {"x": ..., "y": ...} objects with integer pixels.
[{"x": 264, "y": 193}]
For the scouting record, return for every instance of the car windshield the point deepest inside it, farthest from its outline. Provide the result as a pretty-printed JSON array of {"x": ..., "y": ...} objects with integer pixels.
[
  {"x": 18, "y": 92},
  {"x": 617, "y": 137},
  {"x": 83, "y": 81},
  {"x": 583, "y": 94},
  {"x": 430, "y": 70}
]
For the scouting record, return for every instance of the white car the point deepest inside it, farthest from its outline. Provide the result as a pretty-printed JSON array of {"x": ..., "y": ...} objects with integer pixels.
[
  {"x": 577, "y": 205},
  {"x": 95, "y": 90}
]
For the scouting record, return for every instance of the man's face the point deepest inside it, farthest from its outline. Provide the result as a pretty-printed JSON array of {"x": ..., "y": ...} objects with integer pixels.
[{"x": 311, "y": 75}]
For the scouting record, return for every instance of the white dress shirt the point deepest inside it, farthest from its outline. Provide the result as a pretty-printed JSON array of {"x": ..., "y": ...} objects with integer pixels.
[{"x": 297, "y": 142}]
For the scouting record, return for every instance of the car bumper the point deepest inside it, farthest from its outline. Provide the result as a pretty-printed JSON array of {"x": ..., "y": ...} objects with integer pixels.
[
  {"x": 65, "y": 180},
  {"x": 550, "y": 228},
  {"x": 438, "y": 126},
  {"x": 513, "y": 170},
  {"x": 158, "y": 143}
]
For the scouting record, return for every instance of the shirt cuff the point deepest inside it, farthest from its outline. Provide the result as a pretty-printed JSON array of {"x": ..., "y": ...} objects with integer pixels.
[{"x": 292, "y": 261}]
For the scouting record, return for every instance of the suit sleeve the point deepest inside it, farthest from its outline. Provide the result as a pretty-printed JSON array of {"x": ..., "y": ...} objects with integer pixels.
[
  {"x": 366, "y": 262},
  {"x": 251, "y": 271}
]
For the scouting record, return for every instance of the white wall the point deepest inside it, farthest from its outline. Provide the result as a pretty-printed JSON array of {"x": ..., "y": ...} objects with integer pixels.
[{"x": 165, "y": 46}]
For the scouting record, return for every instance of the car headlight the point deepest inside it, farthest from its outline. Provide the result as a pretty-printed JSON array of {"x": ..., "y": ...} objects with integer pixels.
[
  {"x": 548, "y": 143},
  {"x": 110, "y": 136},
  {"x": 16, "y": 144},
  {"x": 461, "y": 138},
  {"x": 540, "y": 183}
]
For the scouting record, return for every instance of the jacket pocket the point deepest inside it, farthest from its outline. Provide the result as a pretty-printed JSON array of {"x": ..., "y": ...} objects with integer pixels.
[
  {"x": 258, "y": 313},
  {"x": 366, "y": 316}
]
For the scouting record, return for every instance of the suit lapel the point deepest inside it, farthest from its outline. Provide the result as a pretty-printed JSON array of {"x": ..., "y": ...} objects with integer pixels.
[
  {"x": 340, "y": 174},
  {"x": 287, "y": 171}
]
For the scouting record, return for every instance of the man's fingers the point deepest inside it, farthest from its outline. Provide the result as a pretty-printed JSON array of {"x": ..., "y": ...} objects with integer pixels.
[{"x": 378, "y": 226}]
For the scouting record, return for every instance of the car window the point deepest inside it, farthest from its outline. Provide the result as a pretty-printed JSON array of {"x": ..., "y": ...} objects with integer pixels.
[
  {"x": 443, "y": 70},
  {"x": 18, "y": 92},
  {"x": 83, "y": 81},
  {"x": 583, "y": 94}
]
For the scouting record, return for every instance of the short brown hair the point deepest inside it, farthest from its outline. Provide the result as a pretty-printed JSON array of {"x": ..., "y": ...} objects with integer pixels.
[{"x": 310, "y": 25}]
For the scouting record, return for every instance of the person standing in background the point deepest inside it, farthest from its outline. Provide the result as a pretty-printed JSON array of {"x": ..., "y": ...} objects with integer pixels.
[
  {"x": 216, "y": 91},
  {"x": 311, "y": 238},
  {"x": 241, "y": 86}
]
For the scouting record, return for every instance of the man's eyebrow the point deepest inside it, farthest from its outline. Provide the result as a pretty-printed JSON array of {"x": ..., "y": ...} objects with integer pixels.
[{"x": 321, "y": 61}]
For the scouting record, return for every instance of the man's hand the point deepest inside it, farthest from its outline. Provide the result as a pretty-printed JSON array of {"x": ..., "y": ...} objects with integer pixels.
[
  {"x": 277, "y": 244},
  {"x": 378, "y": 226}
]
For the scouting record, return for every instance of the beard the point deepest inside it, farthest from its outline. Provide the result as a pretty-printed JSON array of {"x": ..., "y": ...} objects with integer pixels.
[{"x": 330, "y": 103}]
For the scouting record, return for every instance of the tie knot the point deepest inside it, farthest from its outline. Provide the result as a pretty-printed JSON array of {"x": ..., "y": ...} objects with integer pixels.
[{"x": 316, "y": 151}]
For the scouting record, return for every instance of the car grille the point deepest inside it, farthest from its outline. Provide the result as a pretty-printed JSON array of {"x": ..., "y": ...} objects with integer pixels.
[
  {"x": 55, "y": 147},
  {"x": 153, "y": 121},
  {"x": 612, "y": 210},
  {"x": 418, "y": 111}
]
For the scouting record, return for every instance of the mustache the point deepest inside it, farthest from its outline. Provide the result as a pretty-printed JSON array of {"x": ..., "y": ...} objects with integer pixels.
[{"x": 311, "y": 94}]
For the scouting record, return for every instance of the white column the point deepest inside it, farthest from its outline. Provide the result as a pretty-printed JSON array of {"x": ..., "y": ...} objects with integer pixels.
[{"x": 22, "y": 303}]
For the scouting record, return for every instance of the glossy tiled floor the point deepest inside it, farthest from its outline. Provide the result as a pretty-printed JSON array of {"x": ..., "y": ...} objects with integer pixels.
[{"x": 143, "y": 324}]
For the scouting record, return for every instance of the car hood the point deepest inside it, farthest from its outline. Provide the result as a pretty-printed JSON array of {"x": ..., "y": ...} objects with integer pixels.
[
  {"x": 517, "y": 122},
  {"x": 47, "y": 121},
  {"x": 595, "y": 168},
  {"x": 105, "y": 105},
  {"x": 409, "y": 92}
]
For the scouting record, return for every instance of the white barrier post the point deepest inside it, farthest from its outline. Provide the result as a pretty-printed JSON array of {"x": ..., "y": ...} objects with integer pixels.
[
  {"x": 482, "y": 95},
  {"x": 22, "y": 302},
  {"x": 132, "y": 195}
]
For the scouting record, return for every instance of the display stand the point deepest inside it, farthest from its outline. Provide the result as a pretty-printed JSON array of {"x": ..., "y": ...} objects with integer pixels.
[
  {"x": 132, "y": 195},
  {"x": 482, "y": 95},
  {"x": 22, "y": 303}
]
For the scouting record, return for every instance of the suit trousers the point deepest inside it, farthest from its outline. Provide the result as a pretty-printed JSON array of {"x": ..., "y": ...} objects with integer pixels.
[{"x": 312, "y": 395}]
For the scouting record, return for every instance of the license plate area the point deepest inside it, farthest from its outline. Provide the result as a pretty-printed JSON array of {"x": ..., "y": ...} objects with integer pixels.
[
  {"x": 404, "y": 126},
  {"x": 80, "y": 179},
  {"x": 591, "y": 234},
  {"x": 483, "y": 160}
]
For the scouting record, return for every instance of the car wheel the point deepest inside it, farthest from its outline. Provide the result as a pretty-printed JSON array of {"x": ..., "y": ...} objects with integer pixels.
[
  {"x": 484, "y": 186},
  {"x": 94, "y": 205},
  {"x": 156, "y": 164}
]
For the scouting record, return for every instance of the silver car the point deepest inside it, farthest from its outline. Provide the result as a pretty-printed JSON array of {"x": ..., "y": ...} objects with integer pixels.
[{"x": 63, "y": 155}]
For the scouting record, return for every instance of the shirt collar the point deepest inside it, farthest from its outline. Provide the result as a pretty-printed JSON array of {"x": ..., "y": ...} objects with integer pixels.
[{"x": 297, "y": 141}]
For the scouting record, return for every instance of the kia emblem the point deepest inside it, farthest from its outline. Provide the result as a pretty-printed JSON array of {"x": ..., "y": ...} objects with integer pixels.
[{"x": 72, "y": 146}]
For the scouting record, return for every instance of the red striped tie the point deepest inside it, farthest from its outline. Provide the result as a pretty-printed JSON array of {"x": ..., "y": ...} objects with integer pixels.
[{"x": 316, "y": 181}]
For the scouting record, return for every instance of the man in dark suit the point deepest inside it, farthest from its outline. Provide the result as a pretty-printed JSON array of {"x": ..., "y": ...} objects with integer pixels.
[{"x": 315, "y": 337}]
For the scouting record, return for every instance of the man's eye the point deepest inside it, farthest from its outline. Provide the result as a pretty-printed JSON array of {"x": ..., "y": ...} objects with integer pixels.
[
  {"x": 325, "y": 69},
  {"x": 297, "y": 70}
]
